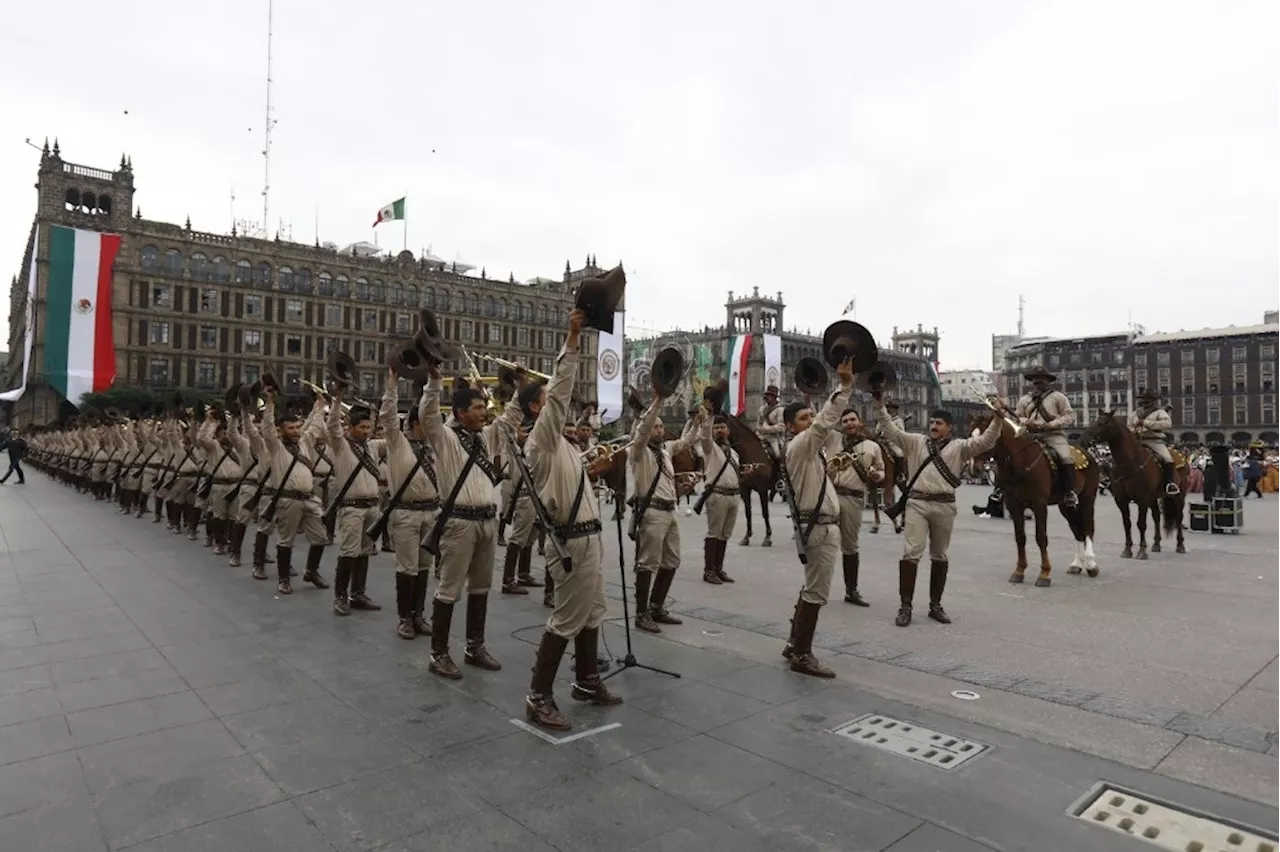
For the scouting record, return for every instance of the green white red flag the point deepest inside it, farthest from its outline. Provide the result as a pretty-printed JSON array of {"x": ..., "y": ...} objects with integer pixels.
[
  {"x": 79, "y": 344},
  {"x": 392, "y": 212}
]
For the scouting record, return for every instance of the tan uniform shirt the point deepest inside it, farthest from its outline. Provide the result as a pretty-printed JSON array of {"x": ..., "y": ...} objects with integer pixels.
[
  {"x": 221, "y": 469},
  {"x": 1053, "y": 403},
  {"x": 806, "y": 466},
  {"x": 769, "y": 426},
  {"x": 343, "y": 453},
  {"x": 1150, "y": 425},
  {"x": 401, "y": 456},
  {"x": 280, "y": 455},
  {"x": 451, "y": 456},
  {"x": 555, "y": 462},
  {"x": 868, "y": 455},
  {"x": 644, "y": 461},
  {"x": 716, "y": 455},
  {"x": 955, "y": 453}
]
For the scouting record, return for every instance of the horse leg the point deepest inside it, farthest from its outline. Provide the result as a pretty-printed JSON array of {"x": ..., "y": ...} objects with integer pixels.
[
  {"x": 1155, "y": 526},
  {"x": 1127, "y": 553},
  {"x": 746, "y": 501},
  {"x": 1073, "y": 521},
  {"x": 1087, "y": 508},
  {"x": 1181, "y": 500},
  {"x": 1019, "y": 538},
  {"x": 875, "y": 510},
  {"x": 764, "y": 515},
  {"x": 1041, "y": 512},
  {"x": 1142, "y": 530}
]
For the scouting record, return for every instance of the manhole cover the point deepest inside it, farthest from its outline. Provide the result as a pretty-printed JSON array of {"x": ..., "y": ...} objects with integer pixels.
[
  {"x": 907, "y": 739},
  {"x": 1166, "y": 825},
  {"x": 965, "y": 695}
]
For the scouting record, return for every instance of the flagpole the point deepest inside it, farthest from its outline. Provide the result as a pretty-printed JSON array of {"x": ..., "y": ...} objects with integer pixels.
[{"x": 406, "y": 221}]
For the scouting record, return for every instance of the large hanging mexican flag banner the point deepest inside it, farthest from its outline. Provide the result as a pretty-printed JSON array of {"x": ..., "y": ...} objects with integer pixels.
[
  {"x": 739, "y": 353},
  {"x": 79, "y": 348}
]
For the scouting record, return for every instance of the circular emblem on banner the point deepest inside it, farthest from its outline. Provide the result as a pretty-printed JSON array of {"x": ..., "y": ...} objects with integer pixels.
[
  {"x": 771, "y": 377},
  {"x": 609, "y": 364},
  {"x": 84, "y": 306}
]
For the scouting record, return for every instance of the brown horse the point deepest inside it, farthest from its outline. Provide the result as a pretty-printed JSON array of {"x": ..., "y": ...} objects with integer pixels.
[
  {"x": 760, "y": 480},
  {"x": 1025, "y": 475},
  {"x": 616, "y": 477},
  {"x": 1136, "y": 477}
]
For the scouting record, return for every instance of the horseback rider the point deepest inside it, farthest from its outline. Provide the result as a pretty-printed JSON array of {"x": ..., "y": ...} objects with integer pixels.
[
  {"x": 770, "y": 428},
  {"x": 1045, "y": 413},
  {"x": 1148, "y": 424}
]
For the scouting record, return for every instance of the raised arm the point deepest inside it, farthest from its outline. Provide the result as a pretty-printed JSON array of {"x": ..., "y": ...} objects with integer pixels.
[
  {"x": 640, "y": 434},
  {"x": 555, "y": 410},
  {"x": 332, "y": 425},
  {"x": 387, "y": 413},
  {"x": 429, "y": 411},
  {"x": 973, "y": 447},
  {"x": 270, "y": 437},
  {"x": 693, "y": 434},
  {"x": 825, "y": 421},
  {"x": 204, "y": 437},
  {"x": 889, "y": 428}
]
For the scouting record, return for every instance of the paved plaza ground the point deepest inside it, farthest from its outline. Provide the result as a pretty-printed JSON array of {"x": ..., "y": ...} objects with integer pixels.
[{"x": 154, "y": 699}]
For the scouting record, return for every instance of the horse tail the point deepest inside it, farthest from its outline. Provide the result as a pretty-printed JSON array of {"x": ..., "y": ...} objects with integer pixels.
[{"x": 1171, "y": 508}]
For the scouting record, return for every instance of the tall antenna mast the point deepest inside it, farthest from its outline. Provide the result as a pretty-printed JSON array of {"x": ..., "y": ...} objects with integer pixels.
[
  {"x": 1022, "y": 329},
  {"x": 270, "y": 122}
]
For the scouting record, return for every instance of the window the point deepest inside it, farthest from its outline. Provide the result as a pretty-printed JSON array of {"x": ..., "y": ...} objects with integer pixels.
[
  {"x": 173, "y": 262},
  {"x": 326, "y": 284},
  {"x": 208, "y": 337},
  {"x": 1211, "y": 355},
  {"x": 1239, "y": 377},
  {"x": 367, "y": 385},
  {"x": 293, "y": 310},
  {"x": 465, "y": 332},
  {"x": 446, "y": 301},
  {"x": 208, "y": 301},
  {"x": 150, "y": 258},
  {"x": 1053, "y": 360},
  {"x": 362, "y": 289},
  {"x": 220, "y": 270},
  {"x": 244, "y": 272},
  {"x": 1239, "y": 353},
  {"x": 1187, "y": 356},
  {"x": 397, "y": 293},
  {"x": 1268, "y": 371},
  {"x": 402, "y": 324},
  {"x": 1211, "y": 377},
  {"x": 370, "y": 352},
  {"x": 293, "y": 344},
  {"x": 1076, "y": 359},
  {"x": 1188, "y": 412},
  {"x": 1095, "y": 357},
  {"x": 1119, "y": 376},
  {"x": 369, "y": 319},
  {"x": 504, "y": 310},
  {"x": 542, "y": 313},
  {"x": 1267, "y": 350},
  {"x": 1163, "y": 378},
  {"x": 342, "y": 287},
  {"x": 253, "y": 305},
  {"x": 473, "y": 304},
  {"x": 411, "y": 296},
  {"x": 1162, "y": 359},
  {"x": 199, "y": 267},
  {"x": 160, "y": 334},
  {"x": 1214, "y": 411},
  {"x": 332, "y": 316},
  {"x": 252, "y": 373},
  {"x": 158, "y": 372},
  {"x": 291, "y": 379},
  {"x": 1268, "y": 409},
  {"x": 1241, "y": 413},
  {"x": 1188, "y": 379},
  {"x": 490, "y": 306},
  {"x": 328, "y": 344},
  {"x": 304, "y": 281},
  {"x": 1118, "y": 356},
  {"x": 377, "y": 292},
  {"x": 252, "y": 340},
  {"x": 263, "y": 276},
  {"x": 429, "y": 298},
  {"x": 160, "y": 295},
  {"x": 287, "y": 281},
  {"x": 206, "y": 372},
  {"x": 523, "y": 337},
  {"x": 495, "y": 333}
]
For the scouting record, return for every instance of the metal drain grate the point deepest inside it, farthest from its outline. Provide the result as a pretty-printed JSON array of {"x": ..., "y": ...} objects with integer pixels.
[
  {"x": 1165, "y": 825},
  {"x": 907, "y": 739}
]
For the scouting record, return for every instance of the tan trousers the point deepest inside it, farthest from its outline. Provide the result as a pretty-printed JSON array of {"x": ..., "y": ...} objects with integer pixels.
[
  {"x": 352, "y": 523},
  {"x": 850, "y": 523},
  {"x": 657, "y": 542},
  {"x": 1058, "y": 442},
  {"x": 820, "y": 551},
  {"x": 98, "y": 472},
  {"x": 579, "y": 595},
  {"x": 183, "y": 491},
  {"x": 407, "y": 528},
  {"x": 218, "y": 505},
  {"x": 244, "y": 514},
  {"x": 148, "y": 476},
  {"x": 522, "y": 521},
  {"x": 1160, "y": 448},
  {"x": 297, "y": 516},
  {"x": 931, "y": 520},
  {"x": 466, "y": 558},
  {"x": 722, "y": 515}
]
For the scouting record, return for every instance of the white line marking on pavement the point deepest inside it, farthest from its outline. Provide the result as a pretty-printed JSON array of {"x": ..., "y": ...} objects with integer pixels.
[{"x": 543, "y": 735}]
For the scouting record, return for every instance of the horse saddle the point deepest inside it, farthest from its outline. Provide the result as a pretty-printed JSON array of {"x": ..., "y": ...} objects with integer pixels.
[
  {"x": 1078, "y": 456},
  {"x": 1179, "y": 460}
]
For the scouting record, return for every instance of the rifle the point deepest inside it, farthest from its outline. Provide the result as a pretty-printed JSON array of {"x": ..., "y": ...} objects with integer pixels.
[
  {"x": 375, "y": 532},
  {"x": 793, "y": 510},
  {"x": 710, "y": 487},
  {"x": 346, "y": 486},
  {"x": 544, "y": 520}
]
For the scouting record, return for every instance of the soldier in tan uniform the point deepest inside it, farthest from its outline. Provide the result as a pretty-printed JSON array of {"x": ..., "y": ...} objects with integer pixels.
[
  {"x": 817, "y": 515},
  {"x": 565, "y": 491},
  {"x": 899, "y": 466},
  {"x": 355, "y": 457},
  {"x": 290, "y": 453},
  {"x": 1149, "y": 422},
  {"x": 937, "y": 458},
  {"x": 864, "y": 470},
  {"x": 769, "y": 425},
  {"x": 517, "y": 508},
  {"x": 225, "y": 469},
  {"x": 468, "y": 541},
  {"x": 657, "y": 533},
  {"x": 722, "y": 472},
  {"x": 1045, "y": 413}
]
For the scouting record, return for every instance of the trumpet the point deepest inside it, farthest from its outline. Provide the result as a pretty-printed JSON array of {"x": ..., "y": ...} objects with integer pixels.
[
  {"x": 839, "y": 462},
  {"x": 346, "y": 406},
  {"x": 1018, "y": 429},
  {"x": 512, "y": 365},
  {"x": 596, "y": 453},
  {"x": 476, "y": 380},
  {"x": 688, "y": 479}
]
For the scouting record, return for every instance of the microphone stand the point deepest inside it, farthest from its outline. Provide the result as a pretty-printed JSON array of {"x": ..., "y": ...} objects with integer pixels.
[{"x": 629, "y": 661}]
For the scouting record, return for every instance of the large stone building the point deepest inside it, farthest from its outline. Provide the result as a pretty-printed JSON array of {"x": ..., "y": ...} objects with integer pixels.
[
  {"x": 707, "y": 352},
  {"x": 1218, "y": 383},
  {"x": 965, "y": 385},
  {"x": 202, "y": 311}
]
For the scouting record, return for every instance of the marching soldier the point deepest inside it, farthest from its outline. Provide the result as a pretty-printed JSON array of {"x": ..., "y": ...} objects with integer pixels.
[
  {"x": 899, "y": 461},
  {"x": 465, "y": 456},
  {"x": 1149, "y": 422},
  {"x": 413, "y": 515},
  {"x": 723, "y": 469},
  {"x": 566, "y": 493},
  {"x": 936, "y": 460},
  {"x": 356, "y": 475},
  {"x": 818, "y": 515},
  {"x": 657, "y": 533},
  {"x": 225, "y": 471},
  {"x": 1046, "y": 413},
  {"x": 518, "y": 509},
  {"x": 864, "y": 470}
]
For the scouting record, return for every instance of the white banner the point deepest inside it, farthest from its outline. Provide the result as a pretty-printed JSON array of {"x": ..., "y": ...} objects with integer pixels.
[
  {"x": 609, "y": 370},
  {"x": 16, "y": 394},
  {"x": 772, "y": 361}
]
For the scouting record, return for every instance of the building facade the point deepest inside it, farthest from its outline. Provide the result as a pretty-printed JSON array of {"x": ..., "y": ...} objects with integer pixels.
[
  {"x": 707, "y": 354},
  {"x": 200, "y": 311},
  {"x": 964, "y": 385},
  {"x": 1218, "y": 384}
]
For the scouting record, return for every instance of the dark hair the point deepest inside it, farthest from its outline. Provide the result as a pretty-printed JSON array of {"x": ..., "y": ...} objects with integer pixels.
[
  {"x": 463, "y": 397},
  {"x": 358, "y": 415},
  {"x": 720, "y": 420},
  {"x": 793, "y": 408},
  {"x": 941, "y": 414},
  {"x": 528, "y": 395},
  {"x": 850, "y": 410},
  {"x": 287, "y": 417}
]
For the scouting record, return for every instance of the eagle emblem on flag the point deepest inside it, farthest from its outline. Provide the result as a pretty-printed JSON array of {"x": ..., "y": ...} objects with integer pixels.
[{"x": 84, "y": 306}]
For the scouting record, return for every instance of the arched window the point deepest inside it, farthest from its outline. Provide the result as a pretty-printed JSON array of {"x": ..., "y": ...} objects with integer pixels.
[
  {"x": 173, "y": 262},
  {"x": 326, "y": 284},
  {"x": 446, "y": 301},
  {"x": 429, "y": 298},
  {"x": 397, "y": 293},
  {"x": 362, "y": 289},
  {"x": 542, "y": 313},
  {"x": 378, "y": 292},
  {"x": 490, "y": 306},
  {"x": 220, "y": 271},
  {"x": 263, "y": 276},
  {"x": 473, "y": 304},
  {"x": 199, "y": 267},
  {"x": 150, "y": 258},
  {"x": 342, "y": 287},
  {"x": 304, "y": 280},
  {"x": 244, "y": 272},
  {"x": 287, "y": 281},
  {"x": 526, "y": 312},
  {"x": 411, "y": 296},
  {"x": 502, "y": 309}
]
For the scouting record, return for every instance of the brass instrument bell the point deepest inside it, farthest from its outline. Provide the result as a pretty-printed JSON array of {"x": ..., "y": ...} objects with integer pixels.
[
  {"x": 848, "y": 339},
  {"x": 811, "y": 376},
  {"x": 667, "y": 371},
  {"x": 881, "y": 377}
]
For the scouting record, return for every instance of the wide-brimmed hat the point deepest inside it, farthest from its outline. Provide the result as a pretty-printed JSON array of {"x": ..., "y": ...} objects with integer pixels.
[
  {"x": 1150, "y": 393},
  {"x": 1040, "y": 374},
  {"x": 771, "y": 390}
]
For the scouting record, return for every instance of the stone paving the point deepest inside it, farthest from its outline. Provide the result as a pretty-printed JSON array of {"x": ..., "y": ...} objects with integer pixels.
[{"x": 151, "y": 698}]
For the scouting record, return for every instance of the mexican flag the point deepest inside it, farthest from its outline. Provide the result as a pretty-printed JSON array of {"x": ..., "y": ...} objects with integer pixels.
[
  {"x": 79, "y": 347},
  {"x": 739, "y": 352},
  {"x": 394, "y": 210}
]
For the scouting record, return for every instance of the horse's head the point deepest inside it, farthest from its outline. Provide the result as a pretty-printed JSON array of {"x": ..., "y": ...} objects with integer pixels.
[
  {"x": 978, "y": 423},
  {"x": 1104, "y": 428}
]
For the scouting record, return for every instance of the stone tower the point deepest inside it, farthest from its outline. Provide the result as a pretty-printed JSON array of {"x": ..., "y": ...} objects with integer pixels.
[
  {"x": 754, "y": 314},
  {"x": 920, "y": 342},
  {"x": 84, "y": 196}
]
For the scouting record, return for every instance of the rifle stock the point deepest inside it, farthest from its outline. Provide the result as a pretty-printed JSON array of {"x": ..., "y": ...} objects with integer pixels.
[{"x": 793, "y": 511}]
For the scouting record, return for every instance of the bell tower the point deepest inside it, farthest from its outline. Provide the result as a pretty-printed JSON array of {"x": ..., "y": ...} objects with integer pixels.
[
  {"x": 83, "y": 196},
  {"x": 920, "y": 342},
  {"x": 754, "y": 314}
]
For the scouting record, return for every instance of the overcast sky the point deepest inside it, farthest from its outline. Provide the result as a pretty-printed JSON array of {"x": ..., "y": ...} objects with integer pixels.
[{"x": 932, "y": 159}]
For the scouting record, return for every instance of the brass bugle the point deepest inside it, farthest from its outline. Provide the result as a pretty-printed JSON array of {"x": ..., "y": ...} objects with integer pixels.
[
  {"x": 346, "y": 406},
  {"x": 839, "y": 462},
  {"x": 1018, "y": 429},
  {"x": 512, "y": 365},
  {"x": 474, "y": 378}
]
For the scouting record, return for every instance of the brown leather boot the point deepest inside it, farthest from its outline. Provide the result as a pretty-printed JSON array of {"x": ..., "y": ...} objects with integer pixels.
[
  {"x": 441, "y": 620},
  {"x": 421, "y": 626},
  {"x": 539, "y": 706},
  {"x": 906, "y": 591},
  {"x": 218, "y": 527},
  {"x": 661, "y": 586},
  {"x": 404, "y": 606},
  {"x": 937, "y": 585},
  {"x": 192, "y": 519},
  {"x": 644, "y": 621},
  {"x": 341, "y": 582},
  {"x": 851, "y": 594},
  {"x": 284, "y": 556},
  {"x": 802, "y": 659},
  {"x": 509, "y": 563},
  {"x": 588, "y": 686},
  {"x": 525, "y": 575},
  {"x": 476, "y": 654},
  {"x": 359, "y": 577},
  {"x": 709, "y": 574},
  {"x": 790, "y": 648},
  {"x": 312, "y": 574},
  {"x": 721, "y": 546},
  {"x": 260, "y": 556},
  {"x": 235, "y": 544}
]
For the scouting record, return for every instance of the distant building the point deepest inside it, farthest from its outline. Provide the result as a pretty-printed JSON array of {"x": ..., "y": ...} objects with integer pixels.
[
  {"x": 1000, "y": 344},
  {"x": 964, "y": 385}
]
